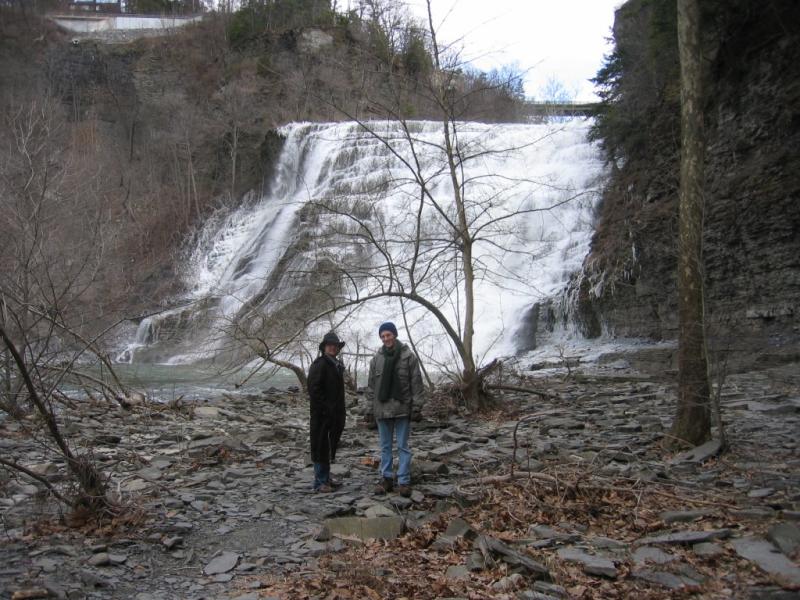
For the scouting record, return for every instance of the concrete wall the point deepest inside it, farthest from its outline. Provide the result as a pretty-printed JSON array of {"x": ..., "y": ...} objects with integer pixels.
[{"x": 90, "y": 24}]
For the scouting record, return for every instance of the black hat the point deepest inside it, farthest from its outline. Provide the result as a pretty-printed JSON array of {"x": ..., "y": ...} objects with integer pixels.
[
  {"x": 330, "y": 338},
  {"x": 388, "y": 326}
]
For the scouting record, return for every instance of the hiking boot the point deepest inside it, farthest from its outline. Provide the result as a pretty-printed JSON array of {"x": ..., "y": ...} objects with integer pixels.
[
  {"x": 325, "y": 488},
  {"x": 404, "y": 490},
  {"x": 384, "y": 486}
]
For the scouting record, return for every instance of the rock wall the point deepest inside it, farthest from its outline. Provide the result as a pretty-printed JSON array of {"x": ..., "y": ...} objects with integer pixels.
[{"x": 752, "y": 221}]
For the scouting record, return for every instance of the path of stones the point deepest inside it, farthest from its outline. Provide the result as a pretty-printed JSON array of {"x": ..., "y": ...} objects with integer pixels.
[{"x": 224, "y": 489}]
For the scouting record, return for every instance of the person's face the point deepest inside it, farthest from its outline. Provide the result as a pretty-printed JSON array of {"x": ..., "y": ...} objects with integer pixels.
[
  {"x": 332, "y": 349},
  {"x": 388, "y": 338}
]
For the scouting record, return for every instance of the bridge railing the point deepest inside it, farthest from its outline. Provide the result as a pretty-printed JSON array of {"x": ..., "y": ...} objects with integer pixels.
[{"x": 561, "y": 109}]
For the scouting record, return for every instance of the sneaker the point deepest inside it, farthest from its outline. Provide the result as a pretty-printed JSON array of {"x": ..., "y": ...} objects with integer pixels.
[
  {"x": 384, "y": 486},
  {"x": 325, "y": 488},
  {"x": 404, "y": 490}
]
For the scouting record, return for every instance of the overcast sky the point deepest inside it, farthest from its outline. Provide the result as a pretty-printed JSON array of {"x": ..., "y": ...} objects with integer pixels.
[{"x": 565, "y": 39}]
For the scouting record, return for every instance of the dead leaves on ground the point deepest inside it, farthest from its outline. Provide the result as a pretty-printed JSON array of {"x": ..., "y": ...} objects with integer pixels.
[{"x": 621, "y": 510}]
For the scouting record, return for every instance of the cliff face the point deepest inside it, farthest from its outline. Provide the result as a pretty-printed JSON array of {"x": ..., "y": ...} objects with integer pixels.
[{"x": 752, "y": 220}]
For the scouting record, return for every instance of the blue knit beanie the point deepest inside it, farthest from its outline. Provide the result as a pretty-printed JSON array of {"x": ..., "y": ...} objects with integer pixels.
[{"x": 388, "y": 326}]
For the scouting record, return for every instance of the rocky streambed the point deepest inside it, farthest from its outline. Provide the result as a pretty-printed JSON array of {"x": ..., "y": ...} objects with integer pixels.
[{"x": 219, "y": 500}]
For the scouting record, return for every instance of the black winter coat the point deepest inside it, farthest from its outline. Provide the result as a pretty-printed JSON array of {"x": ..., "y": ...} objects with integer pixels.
[{"x": 326, "y": 394}]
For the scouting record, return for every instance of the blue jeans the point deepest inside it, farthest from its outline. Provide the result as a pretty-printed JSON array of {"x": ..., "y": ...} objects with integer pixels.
[
  {"x": 387, "y": 429},
  {"x": 322, "y": 474}
]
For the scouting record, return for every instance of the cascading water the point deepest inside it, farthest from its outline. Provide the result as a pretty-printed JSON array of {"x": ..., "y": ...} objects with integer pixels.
[{"x": 536, "y": 187}]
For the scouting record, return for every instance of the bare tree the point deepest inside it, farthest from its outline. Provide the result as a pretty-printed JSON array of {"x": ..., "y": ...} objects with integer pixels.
[
  {"x": 52, "y": 246},
  {"x": 693, "y": 420},
  {"x": 436, "y": 256}
]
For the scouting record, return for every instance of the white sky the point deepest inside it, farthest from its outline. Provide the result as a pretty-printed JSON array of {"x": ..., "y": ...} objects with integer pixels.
[{"x": 565, "y": 39}]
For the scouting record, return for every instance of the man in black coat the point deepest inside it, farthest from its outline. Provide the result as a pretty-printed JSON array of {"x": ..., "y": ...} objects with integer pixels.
[{"x": 326, "y": 393}]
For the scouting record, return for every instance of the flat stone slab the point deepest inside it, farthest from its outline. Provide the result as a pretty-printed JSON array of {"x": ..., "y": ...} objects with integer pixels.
[
  {"x": 592, "y": 565},
  {"x": 458, "y": 527},
  {"x": 785, "y": 536},
  {"x": 457, "y": 572},
  {"x": 645, "y": 554},
  {"x": 379, "y": 510},
  {"x": 449, "y": 450},
  {"x": 707, "y": 549},
  {"x": 509, "y": 555},
  {"x": 222, "y": 564},
  {"x": 135, "y": 485},
  {"x": 377, "y": 528},
  {"x": 683, "y": 516},
  {"x": 768, "y": 558},
  {"x": 686, "y": 537},
  {"x": 668, "y": 580},
  {"x": 699, "y": 454},
  {"x": 207, "y": 412}
]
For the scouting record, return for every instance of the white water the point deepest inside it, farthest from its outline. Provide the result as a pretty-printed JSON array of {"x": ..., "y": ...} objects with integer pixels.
[{"x": 530, "y": 257}]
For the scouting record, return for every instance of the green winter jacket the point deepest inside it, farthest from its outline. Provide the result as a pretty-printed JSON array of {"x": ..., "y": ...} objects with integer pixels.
[{"x": 411, "y": 390}]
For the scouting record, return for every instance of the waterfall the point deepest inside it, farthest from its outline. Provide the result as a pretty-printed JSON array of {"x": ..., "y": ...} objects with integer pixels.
[{"x": 333, "y": 181}]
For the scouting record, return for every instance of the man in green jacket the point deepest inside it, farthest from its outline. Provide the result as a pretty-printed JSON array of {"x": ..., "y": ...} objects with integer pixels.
[{"x": 394, "y": 387}]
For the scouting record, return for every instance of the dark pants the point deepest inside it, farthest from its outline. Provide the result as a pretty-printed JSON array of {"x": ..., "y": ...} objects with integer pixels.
[{"x": 322, "y": 474}]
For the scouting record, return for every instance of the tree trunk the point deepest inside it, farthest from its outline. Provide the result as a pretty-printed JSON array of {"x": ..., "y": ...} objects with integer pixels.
[
  {"x": 471, "y": 388},
  {"x": 692, "y": 422}
]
